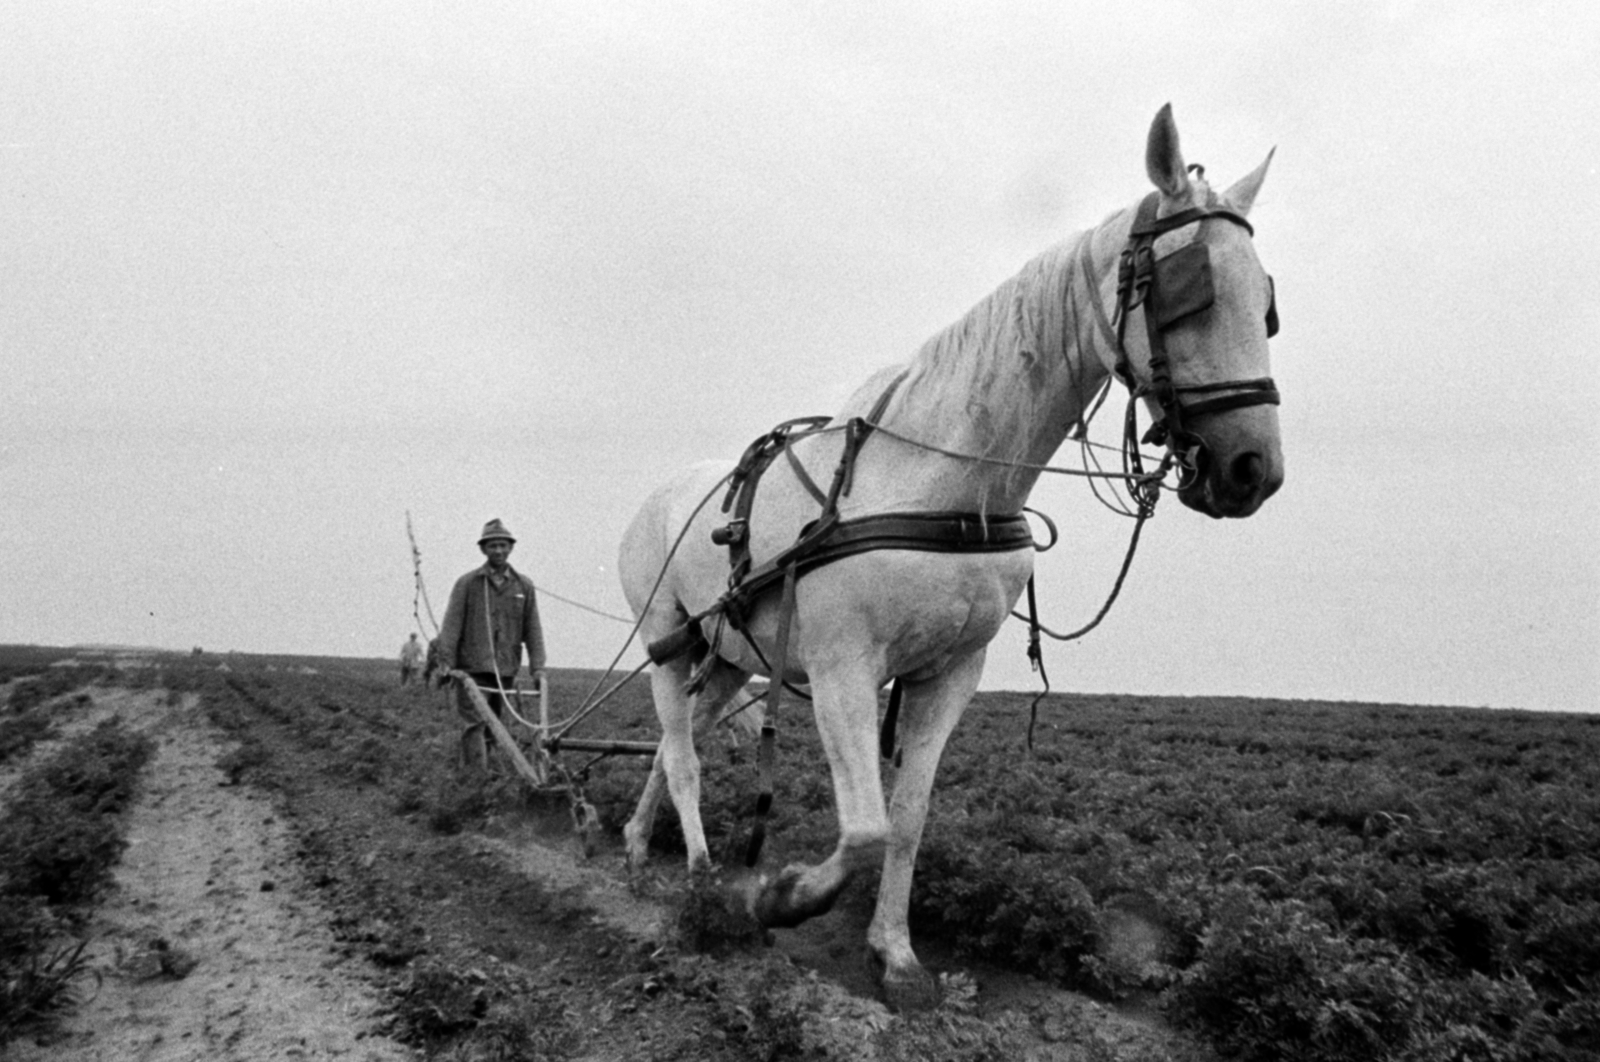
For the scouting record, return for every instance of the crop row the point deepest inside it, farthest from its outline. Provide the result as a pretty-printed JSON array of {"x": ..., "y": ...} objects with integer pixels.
[
  {"x": 1353, "y": 881},
  {"x": 61, "y": 834},
  {"x": 1313, "y": 881}
]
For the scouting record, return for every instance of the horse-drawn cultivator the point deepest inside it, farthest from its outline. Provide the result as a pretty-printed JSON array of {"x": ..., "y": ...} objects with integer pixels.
[{"x": 535, "y": 757}]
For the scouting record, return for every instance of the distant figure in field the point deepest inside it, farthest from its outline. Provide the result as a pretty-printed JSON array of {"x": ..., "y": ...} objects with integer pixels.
[
  {"x": 410, "y": 659},
  {"x": 431, "y": 674},
  {"x": 492, "y": 615}
]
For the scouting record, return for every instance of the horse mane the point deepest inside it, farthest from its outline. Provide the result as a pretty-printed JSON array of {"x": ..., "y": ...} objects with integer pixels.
[
  {"x": 1012, "y": 348},
  {"x": 1015, "y": 342}
]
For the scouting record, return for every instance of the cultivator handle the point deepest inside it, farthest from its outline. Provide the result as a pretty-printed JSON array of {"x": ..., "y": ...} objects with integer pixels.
[{"x": 539, "y": 776}]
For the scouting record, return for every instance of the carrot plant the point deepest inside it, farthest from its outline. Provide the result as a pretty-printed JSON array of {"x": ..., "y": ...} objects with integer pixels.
[{"x": 61, "y": 834}]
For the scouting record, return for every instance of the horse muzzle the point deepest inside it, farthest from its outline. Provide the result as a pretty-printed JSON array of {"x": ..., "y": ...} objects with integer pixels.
[{"x": 1231, "y": 482}]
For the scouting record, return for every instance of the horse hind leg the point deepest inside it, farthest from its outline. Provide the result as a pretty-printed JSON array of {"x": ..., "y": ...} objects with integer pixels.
[
  {"x": 676, "y": 768},
  {"x": 741, "y": 720}
]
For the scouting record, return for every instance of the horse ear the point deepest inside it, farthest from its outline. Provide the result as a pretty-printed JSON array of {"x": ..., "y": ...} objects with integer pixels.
[
  {"x": 1243, "y": 192},
  {"x": 1163, "y": 161}
]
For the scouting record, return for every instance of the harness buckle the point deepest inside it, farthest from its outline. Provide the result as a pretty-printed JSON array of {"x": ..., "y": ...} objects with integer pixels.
[{"x": 733, "y": 533}]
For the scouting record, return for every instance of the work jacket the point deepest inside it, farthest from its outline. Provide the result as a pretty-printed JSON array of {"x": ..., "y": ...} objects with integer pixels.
[{"x": 486, "y": 626}]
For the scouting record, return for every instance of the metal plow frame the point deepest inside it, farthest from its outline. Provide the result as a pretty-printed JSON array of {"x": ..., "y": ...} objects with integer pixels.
[{"x": 543, "y": 773}]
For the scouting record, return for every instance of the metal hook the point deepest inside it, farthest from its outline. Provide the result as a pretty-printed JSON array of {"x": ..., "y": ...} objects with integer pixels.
[{"x": 1187, "y": 461}]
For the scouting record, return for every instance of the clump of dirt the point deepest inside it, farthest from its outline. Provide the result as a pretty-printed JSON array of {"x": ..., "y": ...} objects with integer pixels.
[{"x": 711, "y": 916}]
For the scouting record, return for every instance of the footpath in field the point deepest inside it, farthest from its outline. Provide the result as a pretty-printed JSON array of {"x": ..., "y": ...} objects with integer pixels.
[{"x": 210, "y": 946}]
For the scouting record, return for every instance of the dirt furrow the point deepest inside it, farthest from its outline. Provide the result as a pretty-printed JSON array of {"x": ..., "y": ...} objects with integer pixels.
[{"x": 209, "y": 946}]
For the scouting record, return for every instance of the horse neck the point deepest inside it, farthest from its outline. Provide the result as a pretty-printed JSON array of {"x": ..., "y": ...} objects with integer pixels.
[{"x": 1009, "y": 379}]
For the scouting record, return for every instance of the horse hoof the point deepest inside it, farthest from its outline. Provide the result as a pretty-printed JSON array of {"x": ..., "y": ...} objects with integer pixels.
[
  {"x": 907, "y": 990},
  {"x": 771, "y": 899},
  {"x": 778, "y": 904},
  {"x": 908, "y": 993}
]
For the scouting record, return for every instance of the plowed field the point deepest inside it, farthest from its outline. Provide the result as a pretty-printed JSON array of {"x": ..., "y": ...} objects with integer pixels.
[{"x": 308, "y": 875}]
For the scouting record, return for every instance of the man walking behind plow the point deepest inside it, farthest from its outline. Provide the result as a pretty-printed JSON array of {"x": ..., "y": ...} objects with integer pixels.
[{"x": 492, "y": 615}]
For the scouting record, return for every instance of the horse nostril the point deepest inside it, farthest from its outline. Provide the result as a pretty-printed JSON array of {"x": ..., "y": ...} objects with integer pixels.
[{"x": 1248, "y": 470}]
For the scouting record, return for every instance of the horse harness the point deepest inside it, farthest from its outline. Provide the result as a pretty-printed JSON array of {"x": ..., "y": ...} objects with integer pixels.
[
  {"x": 1168, "y": 289},
  {"x": 821, "y": 541}
]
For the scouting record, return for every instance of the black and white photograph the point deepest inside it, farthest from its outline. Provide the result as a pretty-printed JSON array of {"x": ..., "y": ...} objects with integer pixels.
[{"x": 567, "y": 532}]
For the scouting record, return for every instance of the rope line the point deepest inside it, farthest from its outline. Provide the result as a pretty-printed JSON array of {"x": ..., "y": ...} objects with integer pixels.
[
  {"x": 547, "y": 592},
  {"x": 558, "y": 731},
  {"x": 1004, "y": 463},
  {"x": 587, "y": 708},
  {"x": 1116, "y": 588}
]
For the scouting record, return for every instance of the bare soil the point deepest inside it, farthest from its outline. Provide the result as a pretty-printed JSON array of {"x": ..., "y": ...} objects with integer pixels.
[{"x": 211, "y": 945}]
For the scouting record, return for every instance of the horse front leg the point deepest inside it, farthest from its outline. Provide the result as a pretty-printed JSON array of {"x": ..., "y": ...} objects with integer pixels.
[
  {"x": 930, "y": 713},
  {"x": 846, "y": 709}
]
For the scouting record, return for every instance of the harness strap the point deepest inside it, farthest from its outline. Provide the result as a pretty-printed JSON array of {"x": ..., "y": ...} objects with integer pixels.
[
  {"x": 824, "y": 541},
  {"x": 891, "y": 718},
  {"x": 876, "y": 414},
  {"x": 741, "y": 493},
  {"x": 1258, "y": 392},
  {"x": 767, "y": 753},
  {"x": 803, "y": 476},
  {"x": 1147, "y": 224},
  {"x": 1036, "y": 658}
]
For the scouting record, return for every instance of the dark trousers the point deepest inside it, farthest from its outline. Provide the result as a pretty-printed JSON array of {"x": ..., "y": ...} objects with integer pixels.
[
  {"x": 489, "y": 684},
  {"x": 474, "y": 738}
]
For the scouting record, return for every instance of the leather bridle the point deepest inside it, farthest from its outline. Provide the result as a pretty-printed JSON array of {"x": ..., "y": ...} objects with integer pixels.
[{"x": 1169, "y": 289}]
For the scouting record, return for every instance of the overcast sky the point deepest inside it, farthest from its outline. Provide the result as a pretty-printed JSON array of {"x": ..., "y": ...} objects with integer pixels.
[{"x": 273, "y": 274}]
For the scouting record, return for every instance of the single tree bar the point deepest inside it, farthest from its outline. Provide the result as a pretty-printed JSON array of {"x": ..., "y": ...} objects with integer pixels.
[{"x": 623, "y": 748}]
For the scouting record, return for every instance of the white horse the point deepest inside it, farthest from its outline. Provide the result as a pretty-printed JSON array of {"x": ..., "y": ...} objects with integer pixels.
[{"x": 1005, "y": 383}]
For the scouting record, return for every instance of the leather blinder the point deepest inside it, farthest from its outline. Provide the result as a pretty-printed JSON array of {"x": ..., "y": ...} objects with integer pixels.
[{"x": 1183, "y": 285}]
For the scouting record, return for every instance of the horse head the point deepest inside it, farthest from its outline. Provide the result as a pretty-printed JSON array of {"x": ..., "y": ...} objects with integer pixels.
[{"x": 1201, "y": 359}]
